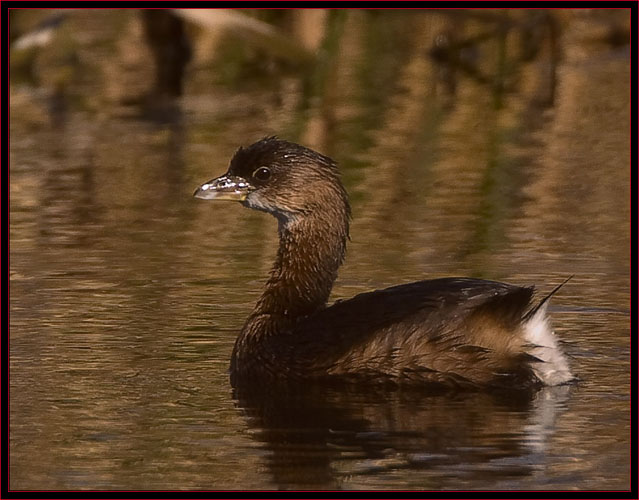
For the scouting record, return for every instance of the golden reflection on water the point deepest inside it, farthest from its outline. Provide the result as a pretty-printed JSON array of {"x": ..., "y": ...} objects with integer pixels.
[{"x": 126, "y": 293}]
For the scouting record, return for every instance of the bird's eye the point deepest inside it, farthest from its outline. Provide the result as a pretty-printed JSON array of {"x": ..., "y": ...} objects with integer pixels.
[{"x": 262, "y": 174}]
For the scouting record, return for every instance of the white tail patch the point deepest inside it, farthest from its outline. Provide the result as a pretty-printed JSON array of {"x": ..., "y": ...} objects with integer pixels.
[{"x": 553, "y": 368}]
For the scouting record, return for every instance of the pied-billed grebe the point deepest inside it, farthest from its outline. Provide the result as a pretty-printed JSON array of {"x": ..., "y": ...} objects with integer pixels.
[{"x": 452, "y": 332}]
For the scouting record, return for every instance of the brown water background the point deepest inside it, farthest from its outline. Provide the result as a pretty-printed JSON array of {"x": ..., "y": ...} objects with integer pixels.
[{"x": 504, "y": 157}]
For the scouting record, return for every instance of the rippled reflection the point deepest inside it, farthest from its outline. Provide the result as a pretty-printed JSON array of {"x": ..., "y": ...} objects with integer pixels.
[{"x": 485, "y": 143}]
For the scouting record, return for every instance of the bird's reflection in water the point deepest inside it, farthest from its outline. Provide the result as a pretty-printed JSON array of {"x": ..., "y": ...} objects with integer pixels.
[{"x": 322, "y": 437}]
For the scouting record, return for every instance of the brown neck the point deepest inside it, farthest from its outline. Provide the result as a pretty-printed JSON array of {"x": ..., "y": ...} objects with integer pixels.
[{"x": 310, "y": 253}]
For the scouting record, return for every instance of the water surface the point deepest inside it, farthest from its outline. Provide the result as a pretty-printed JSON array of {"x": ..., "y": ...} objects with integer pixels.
[{"x": 126, "y": 294}]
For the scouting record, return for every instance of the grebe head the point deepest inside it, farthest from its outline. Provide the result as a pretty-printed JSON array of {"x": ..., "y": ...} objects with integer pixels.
[{"x": 284, "y": 179}]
